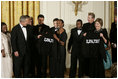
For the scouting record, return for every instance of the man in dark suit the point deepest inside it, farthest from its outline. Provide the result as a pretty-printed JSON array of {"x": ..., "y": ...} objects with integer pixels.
[
  {"x": 87, "y": 29},
  {"x": 53, "y": 54},
  {"x": 20, "y": 40},
  {"x": 113, "y": 40},
  {"x": 55, "y": 27},
  {"x": 32, "y": 48},
  {"x": 40, "y": 30},
  {"x": 75, "y": 42}
]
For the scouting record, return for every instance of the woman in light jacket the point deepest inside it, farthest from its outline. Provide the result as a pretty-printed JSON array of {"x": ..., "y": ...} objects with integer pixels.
[{"x": 6, "y": 59}]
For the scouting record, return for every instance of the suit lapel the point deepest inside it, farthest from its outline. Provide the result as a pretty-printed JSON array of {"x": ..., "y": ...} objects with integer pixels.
[
  {"x": 76, "y": 32},
  {"x": 21, "y": 32},
  {"x": 28, "y": 30}
]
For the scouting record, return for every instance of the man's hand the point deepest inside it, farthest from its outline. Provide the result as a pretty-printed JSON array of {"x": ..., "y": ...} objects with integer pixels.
[
  {"x": 114, "y": 45},
  {"x": 16, "y": 53},
  {"x": 69, "y": 51},
  {"x": 101, "y": 35},
  {"x": 55, "y": 36},
  {"x": 62, "y": 43},
  {"x": 3, "y": 53},
  {"x": 84, "y": 34},
  {"x": 39, "y": 36}
]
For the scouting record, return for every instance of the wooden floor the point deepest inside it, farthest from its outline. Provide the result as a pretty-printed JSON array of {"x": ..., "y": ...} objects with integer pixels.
[
  {"x": 107, "y": 73},
  {"x": 66, "y": 75}
]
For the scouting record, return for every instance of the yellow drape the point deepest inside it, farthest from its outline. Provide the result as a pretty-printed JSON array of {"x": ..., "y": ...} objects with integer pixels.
[
  {"x": 112, "y": 11},
  {"x": 12, "y": 10}
]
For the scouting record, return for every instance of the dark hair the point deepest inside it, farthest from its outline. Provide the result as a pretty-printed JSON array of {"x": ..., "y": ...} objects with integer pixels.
[
  {"x": 31, "y": 18},
  {"x": 100, "y": 21},
  {"x": 91, "y": 14},
  {"x": 79, "y": 20},
  {"x": 2, "y": 24},
  {"x": 40, "y": 16},
  {"x": 27, "y": 16},
  {"x": 61, "y": 21},
  {"x": 56, "y": 19}
]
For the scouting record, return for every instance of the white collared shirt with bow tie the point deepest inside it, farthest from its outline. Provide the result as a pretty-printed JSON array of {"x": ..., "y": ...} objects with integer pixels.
[
  {"x": 79, "y": 31},
  {"x": 24, "y": 31}
]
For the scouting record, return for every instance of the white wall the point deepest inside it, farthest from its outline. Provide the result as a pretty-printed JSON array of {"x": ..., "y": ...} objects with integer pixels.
[{"x": 65, "y": 11}]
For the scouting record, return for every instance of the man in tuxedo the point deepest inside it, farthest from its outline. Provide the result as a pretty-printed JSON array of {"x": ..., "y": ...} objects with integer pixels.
[
  {"x": 20, "y": 41},
  {"x": 87, "y": 29},
  {"x": 113, "y": 39},
  {"x": 40, "y": 30},
  {"x": 75, "y": 42}
]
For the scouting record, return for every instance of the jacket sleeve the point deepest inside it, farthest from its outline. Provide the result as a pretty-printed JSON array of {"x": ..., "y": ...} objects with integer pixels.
[
  {"x": 14, "y": 39},
  {"x": 64, "y": 37},
  {"x": 84, "y": 28},
  {"x": 46, "y": 29},
  {"x": 70, "y": 41},
  {"x": 2, "y": 45},
  {"x": 102, "y": 51},
  {"x": 111, "y": 33},
  {"x": 106, "y": 36}
]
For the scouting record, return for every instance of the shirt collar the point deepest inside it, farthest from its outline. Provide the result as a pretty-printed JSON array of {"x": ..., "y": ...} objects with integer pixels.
[
  {"x": 21, "y": 25},
  {"x": 79, "y": 28},
  {"x": 41, "y": 24}
]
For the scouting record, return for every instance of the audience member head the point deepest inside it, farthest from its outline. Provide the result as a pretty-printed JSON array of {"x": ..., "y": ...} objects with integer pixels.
[
  {"x": 79, "y": 23},
  {"x": 3, "y": 27},
  {"x": 40, "y": 19},
  {"x": 98, "y": 23},
  {"x": 55, "y": 22},
  {"x": 91, "y": 17}
]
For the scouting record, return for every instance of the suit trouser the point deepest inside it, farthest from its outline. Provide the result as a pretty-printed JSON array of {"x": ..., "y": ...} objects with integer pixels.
[
  {"x": 53, "y": 65},
  {"x": 94, "y": 68},
  {"x": 61, "y": 64},
  {"x": 19, "y": 63},
  {"x": 73, "y": 68},
  {"x": 44, "y": 53},
  {"x": 33, "y": 63},
  {"x": 36, "y": 62},
  {"x": 39, "y": 65},
  {"x": 38, "y": 58},
  {"x": 114, "y": 55},
  {"x": 86, "y": 65},
  {"x": 44, "y": 66}
]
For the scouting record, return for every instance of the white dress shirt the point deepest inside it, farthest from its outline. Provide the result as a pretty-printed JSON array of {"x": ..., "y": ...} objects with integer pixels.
[
  {"x": 79, "y": 31},
  {"x": 24, "y": 31}
]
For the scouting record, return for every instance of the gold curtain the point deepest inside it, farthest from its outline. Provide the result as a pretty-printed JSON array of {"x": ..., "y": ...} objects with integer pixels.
[
  {"x": 12, "y": 10},
  {"x": 112, "y": 11}
]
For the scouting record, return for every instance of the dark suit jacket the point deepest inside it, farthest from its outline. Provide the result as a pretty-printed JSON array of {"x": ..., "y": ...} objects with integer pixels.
[
  {"x": 53, "y": 30},
  {"x": 75, "y": 41},
  {"x": 113, "y": 33},
  {"x": 87, "y": 27},
  {"x": 18, "y": 41},
  {"x": 40, "y": 29},
  {"x": 43, "y": 30}
]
